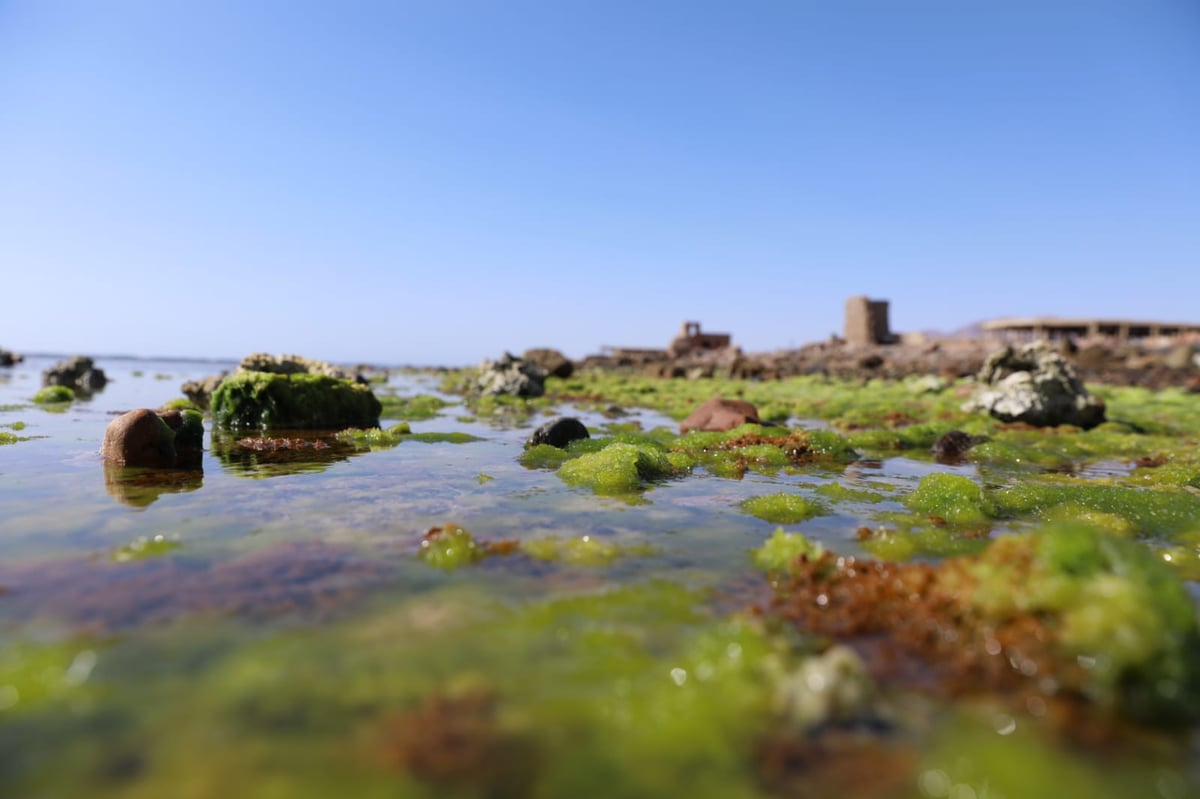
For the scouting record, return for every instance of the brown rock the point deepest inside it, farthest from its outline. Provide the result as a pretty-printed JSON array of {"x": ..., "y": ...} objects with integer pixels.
[
  {"x": 554, "y": 362},
  {"x": 139, "y": 438},
  {"x": 718, "y": 415}
]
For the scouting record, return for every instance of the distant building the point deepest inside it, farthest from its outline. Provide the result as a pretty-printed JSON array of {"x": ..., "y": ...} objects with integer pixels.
[
  {"x": 690, "y": 339},
  {"x": 1054, "y": 327},
  {"x": 867, "y": 321}
]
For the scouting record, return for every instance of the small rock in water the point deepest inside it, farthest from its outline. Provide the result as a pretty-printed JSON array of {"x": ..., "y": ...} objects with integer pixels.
[
  {"x": 139, "y": 438},
  {"x": 559, "y": 433},
  {"x": 951, "y": 446}
]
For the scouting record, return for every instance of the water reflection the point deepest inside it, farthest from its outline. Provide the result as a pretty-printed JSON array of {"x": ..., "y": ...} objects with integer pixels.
[
  {"x": 140, "y": 487},
  {"x": 280, "y": 453}
]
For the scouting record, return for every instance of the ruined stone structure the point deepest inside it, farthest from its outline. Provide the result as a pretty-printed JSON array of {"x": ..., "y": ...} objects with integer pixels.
[
  {"x": 1035, "y": 327},
  {"x": 690, "y": 339},
  {"x": 867, "y": 321}
]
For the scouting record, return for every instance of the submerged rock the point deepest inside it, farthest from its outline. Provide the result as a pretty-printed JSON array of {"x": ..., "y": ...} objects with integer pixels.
[
  {"x": 558, "y": 432},
  {"x": 172, "y": 439},
  {"x": 511, "y": 375},
  {"x": 78, "y": 373},
  {"x": 717, "y": 415},
  {"x": 1035, "y": 385}
]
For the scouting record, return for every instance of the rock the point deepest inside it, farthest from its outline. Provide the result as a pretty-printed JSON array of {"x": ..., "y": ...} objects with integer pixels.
[
  {"x": 10, "y": 358},
  {"x": 263, "y": 400},
  {"x": 554, "y": 362},
  {"x": 78, "y": 373},
  {"x": 1035, "y": 385},
  {"x": 201, "y": 391},
  {"x": 146, "y": 438},
  {"x": 511, "y": 375},
  {"x": 291, "y": 365},
  {"x": 1180, "y": 357},
  {"x": 950, "y": 447},
  {"x": 559, "y": 433},
  {"x": 718, "y": 415}
]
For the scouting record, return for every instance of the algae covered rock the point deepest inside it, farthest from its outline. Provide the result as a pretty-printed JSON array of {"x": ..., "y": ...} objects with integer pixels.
[
  {"x": 619, "y": 468},
  {"x": 1037, "y": 386},
  {"x": 262, "y": 400},
  {"x": 146, "y": 438}
]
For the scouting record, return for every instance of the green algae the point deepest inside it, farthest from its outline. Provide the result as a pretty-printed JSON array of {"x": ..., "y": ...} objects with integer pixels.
[
  {"x": 181, "y": 404},
  {"x": 619, "y": 468},
  {"x": 413, "y": 409},
  {"x": 145, "y": 547},
  {"x": 12, "y": 438},
  {"x": 54, "y": 395},
  {"x": 1116, "y": 608},
  {"x": 953, "y": 498},
  {"x": 783, "y": 508},
  {"x": 33, "y": 675},
  {"x": 377, "y": 438},
  {"x": 261, "y": 400},
  {"x": 1151, "y": 511},
  {"x": 450, "y": 547},
  {"x": 583, "y": 550},
  {"x": 841, "y": 493},
  {"x": 778, "y": 551},
  {"x": 910, "y": 538}
]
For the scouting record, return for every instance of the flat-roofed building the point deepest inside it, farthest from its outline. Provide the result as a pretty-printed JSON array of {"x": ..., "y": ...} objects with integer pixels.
[{"x": 1052, "y": 327}]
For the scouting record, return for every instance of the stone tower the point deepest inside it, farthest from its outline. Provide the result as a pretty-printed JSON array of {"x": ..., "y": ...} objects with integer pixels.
[{"x": 867, "y": 321}]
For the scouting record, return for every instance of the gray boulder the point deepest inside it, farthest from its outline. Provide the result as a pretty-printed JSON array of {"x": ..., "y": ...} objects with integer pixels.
[
  {"x": 511, "y": 375},
  {"x": 1034, "y": 384},
  {"x": 291, "y": 365},
  {"x": 78, "y": 373}
]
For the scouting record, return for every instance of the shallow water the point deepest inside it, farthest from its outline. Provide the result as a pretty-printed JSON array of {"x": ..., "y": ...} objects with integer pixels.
[{"x": 264, "y": 627}]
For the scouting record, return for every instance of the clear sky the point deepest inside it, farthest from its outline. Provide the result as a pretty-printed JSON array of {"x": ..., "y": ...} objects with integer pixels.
[{"x": 439, "y": 181}]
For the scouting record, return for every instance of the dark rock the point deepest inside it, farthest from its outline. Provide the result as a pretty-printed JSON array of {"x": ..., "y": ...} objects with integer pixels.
[
  {"x": 511, "y": 375},
  {"x": 950, "y": 447},
  {"x": 554, "y": 362},
  {"x": 559, "y": 433},
  {"x": 145, "y": 438},
  {"x": 870, "y": 362},
  {"x": 10, "y": 358},
  {"x": 718, "y": 415},
  {"x": 1035, "y": 385},
  {"x": 78, "y": 373}
]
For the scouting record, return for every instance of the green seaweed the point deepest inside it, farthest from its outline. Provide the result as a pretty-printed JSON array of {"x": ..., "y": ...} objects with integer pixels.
[
  {"x": 783, "y": 508},
  {"x": 841, "y": 493},
  {"x": 1150, "y": 510},
  {"x": 1117, "y": 609},
  {"x": 415, "y": 408},
  {"x": 262, "y": 400},
  {"x": 953, "y": 498},
  {"x": 54, "y": 395},
  {"x": 145, "y": 547},
  {"x": 583, "y": 550},
  {"x": 778, "y": 551},
  {"x": 450, "y": 547},
  {"x": 619, "y": 468}
]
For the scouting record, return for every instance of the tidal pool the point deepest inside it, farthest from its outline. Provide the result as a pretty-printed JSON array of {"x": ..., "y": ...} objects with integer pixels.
[{"x": 274, "y": 624}]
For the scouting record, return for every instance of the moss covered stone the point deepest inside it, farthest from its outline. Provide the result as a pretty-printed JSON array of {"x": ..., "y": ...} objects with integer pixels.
[
  {"x": 778, "y": 551},
  {"x": 262, "y": 400}
]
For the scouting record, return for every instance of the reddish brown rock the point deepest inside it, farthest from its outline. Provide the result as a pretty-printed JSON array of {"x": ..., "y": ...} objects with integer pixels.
[
  {"x": 718, "y": 415},
  {"x": 139, "y": 438}
]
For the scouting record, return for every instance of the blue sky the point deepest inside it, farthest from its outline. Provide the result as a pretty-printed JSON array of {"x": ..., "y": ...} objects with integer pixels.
[{"x": 437, "y": 182}]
